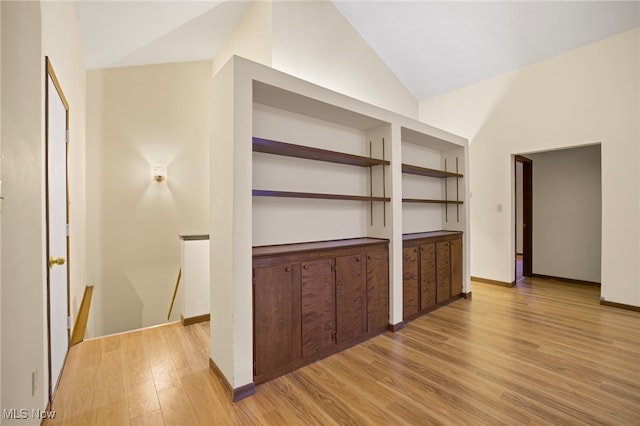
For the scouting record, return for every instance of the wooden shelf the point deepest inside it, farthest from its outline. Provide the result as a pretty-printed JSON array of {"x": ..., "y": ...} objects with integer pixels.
[
  {"x": 315, "y": 246},
  {"x": 427, "y": 201},
  {"x": 423, "y": 171},
  {"x": 431, "y": 234},
  {"x": 288, "y": 194},
  {"x": 290, "y": 150}
]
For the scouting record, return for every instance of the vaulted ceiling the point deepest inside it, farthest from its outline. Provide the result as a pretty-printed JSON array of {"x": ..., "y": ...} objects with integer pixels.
[{"x": 432, "y": 46}]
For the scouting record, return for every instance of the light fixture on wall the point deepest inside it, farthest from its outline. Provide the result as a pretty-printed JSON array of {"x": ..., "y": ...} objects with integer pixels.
[{"x": 159, "y": 173}]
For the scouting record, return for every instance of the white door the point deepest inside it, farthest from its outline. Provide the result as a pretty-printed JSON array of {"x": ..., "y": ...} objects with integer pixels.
[{"x": 57, "y": 222}]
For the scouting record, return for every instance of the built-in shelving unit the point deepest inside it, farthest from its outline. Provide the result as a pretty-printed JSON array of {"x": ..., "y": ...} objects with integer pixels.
[{"x": 296, "y": 277}]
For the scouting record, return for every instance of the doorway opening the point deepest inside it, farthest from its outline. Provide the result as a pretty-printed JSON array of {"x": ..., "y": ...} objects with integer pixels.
[
  {"x": 523, "y": 169},
  {"x": 568, "y": 214}
]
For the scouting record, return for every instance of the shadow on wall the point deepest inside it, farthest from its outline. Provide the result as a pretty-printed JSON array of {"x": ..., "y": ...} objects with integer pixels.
[
  {"x": 155, "y": 290},
  {"x": 122, "y": 307},
  {"x": 140, "y": 117},
  {"x": 143, "y": 259},
  {"x": 140, "y": 297}
]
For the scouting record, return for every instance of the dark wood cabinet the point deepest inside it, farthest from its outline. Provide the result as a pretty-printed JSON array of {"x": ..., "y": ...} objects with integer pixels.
[
  {"x": 410, "y": 289},
  {"x": 351, "y": 298},
  {"x": 315, "y": 299},
  {"x": 427, "y": 275},
  {"x": 277, "y": 317},
  {"x": 443, "y": 271},
  {"x": 432, "y": 271},
  {"x": 456, "y": 267},
  {"x": 318, "y": 307},
  {"x": 377, "y": 290}
]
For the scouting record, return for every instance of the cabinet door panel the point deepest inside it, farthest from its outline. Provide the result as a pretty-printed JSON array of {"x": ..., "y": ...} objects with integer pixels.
[
  {"x": 443, "y": 271},
  {"x": 351, "y": 297},
  {"x": 409, "y": 281},
  {"x": 377, "y": 290},
  {"x": 276, "y": 304},
  {"x": 427, "y": 275},
  {"x": 456, "y": 267},
  {"x": 318, "y": 306}
]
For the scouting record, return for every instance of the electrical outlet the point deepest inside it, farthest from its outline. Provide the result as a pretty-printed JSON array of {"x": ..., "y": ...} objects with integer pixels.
[{"x": 34, "y": 382}]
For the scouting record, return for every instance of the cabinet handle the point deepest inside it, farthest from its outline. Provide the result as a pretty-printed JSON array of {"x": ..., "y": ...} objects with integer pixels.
[
  {"x": 305, "y": 266},
  {"x": 357, "y": 259},
  {"x": 369, "y": 257},
  {"x": 287, "y": 269}
]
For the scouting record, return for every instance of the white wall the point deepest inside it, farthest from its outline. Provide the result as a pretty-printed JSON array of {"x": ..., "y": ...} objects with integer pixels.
[
  {"x": 138, "y": 117},
  {"x": 567, "y": 213},
  {"x": 28, "y": 34},
  {"x": 230, "y": 212},
  {"x": 23, "y": 273},
  {"x": 195, "y": 282},
  {"x": 251, "y": 39},
  {"x": 313, "y": 41},
  {"x": 589, "y": 95},
  {"x": 61, "y": 43},
  {"x": 1, "y": 405}
]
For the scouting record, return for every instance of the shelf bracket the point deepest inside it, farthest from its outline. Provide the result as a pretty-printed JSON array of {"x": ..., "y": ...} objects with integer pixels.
[
  {"x": 371, "y": 183},
  {"x": 457, "y": 192},
  {"x": 384, "y": 188},
  {"x": 446, "y": 195}
]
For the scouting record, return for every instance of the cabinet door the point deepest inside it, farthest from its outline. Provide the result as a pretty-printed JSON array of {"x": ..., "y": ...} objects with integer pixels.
[
  {"x": 456, "y": 267},
  {"x": 427, "y": 275},
  {"x": 351, "y": 297},
  {"x": 276, "y": 319},
  {"x": 377, "y": 290},
  {"x": 318, "y": 306},
  {"x": 409, "y": 281},
  {"x": 443, "y": 271}
]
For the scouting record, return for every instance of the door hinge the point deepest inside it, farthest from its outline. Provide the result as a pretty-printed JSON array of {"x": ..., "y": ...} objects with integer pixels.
[
  {"x": 66, "y": 136},
  {"x": 67, "y": 229},
  {"x": 254, "y": 367},
  {"x": 68, "y": 323},
  {"x": 334, "y": 337}
]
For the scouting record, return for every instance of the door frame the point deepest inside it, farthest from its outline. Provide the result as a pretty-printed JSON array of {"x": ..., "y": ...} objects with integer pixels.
[
  {"x": 50, "y": 73},
  {"x": 527, "y": 213}
]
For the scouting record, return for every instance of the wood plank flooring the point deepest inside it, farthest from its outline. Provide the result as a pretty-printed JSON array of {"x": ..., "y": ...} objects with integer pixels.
[{"x": 540, "y": 353}]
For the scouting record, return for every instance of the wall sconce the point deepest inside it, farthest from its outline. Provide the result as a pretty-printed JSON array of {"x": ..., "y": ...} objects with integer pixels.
[{"x": 159, "y": 173}]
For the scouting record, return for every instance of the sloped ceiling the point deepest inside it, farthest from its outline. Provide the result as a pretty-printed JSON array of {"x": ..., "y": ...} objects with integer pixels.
[
  {"x": 433, "y": 47},
  {"x": 127, "y": 33}
]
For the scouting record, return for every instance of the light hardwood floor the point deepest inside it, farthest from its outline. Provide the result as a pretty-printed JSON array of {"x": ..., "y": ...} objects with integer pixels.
[{"x": 540, "y": 353}]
